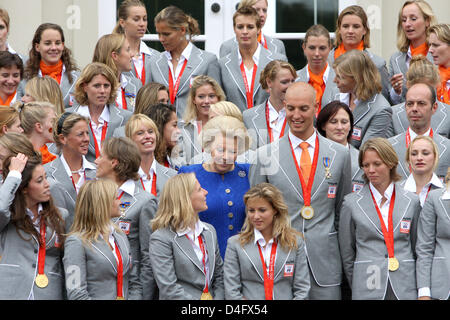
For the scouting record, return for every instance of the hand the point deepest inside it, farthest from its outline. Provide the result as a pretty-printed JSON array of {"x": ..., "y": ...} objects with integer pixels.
[
  {"x": 397, "y": 83},
  {"x": 18, "y": 162},
  {"x": 424, "y": 298}
]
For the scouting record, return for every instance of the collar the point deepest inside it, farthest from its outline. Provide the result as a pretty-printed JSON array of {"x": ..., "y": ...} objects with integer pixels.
[
  {"x": 413, "y": 135},
  {"x": 274, "y": 114},
  {"x": 185, "y": 54},
  {"x": 31, "y": 214},
  {"x": 446, "y": 195},
  {"x": 143, "y": 48},
  {"x": 410, "y": 183},
  {"x": 11, "y": 50},
  {"x": 387, "y": 192},
  {"x": 127, "y": 187},
  {"x": 143, "y": 175},
  {"x": 345, "y": 97},
  {"x": 84, "y": 165},
  {"x": 260, "y": 239},
  {"x": 296, "y": 141},
  {"x": 193, "y": 234},
  {"x": 325, "y": 74},
  {"x": 84, "y": 111},
  {"x": 255, "y": 55},
  {"x": 123, "y": 81}
]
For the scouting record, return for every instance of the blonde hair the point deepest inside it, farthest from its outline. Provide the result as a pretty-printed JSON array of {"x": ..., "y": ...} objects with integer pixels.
[
  {"x": 359, "y": 12},
  {"x": 122, "y": 13},
  {"x": 200, "y": 81},
  {"x": 271, "y": 70},
  {"x": 442, "y": 32},
  {"x": 317, "y": 30},
  {"x": 8, "y": 116},
  {"x": 428, "y": 15},
  {"x": 249, "y": 3},
  {"x": 135, "y": 121},
  {"x": 104, "y": 48},
  {"x": 433, "y": 146},
  {"x": 175, "y": 18},
  {"x": 228, "y": 127},
  {"x": 175, "y": 207},
  {"x": 32, "y": 113},
  {"x": 127, "y": 154},
  {"x": 360, "y": 67},
  {"x": 18, "y": 143},
  {"x": 282, "y": 230},
  {"x": 248, "y": 12},
  {"x": 93, "y": 210},
  {"x": 89, "y": 72},
  {"x": 5, "y": 17},
  {"x": 63, "y": 126},
  {"x": 148, "y": 96},
  {"x": 385, "y": 151},
  {"x": 421, "y": 70},
  {"x": 46, "y": 89},
  {"x": 226, "y": 108}
]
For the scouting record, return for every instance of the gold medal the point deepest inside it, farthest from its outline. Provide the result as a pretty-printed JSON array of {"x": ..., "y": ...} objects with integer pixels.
[
  {"x": 41, "y": 280},
  {"x": 307, "y": 212},
  {"x": 393, "y": 264},
  {"x": 120, "y": 298},
  {"x": 206, "y": 296}
]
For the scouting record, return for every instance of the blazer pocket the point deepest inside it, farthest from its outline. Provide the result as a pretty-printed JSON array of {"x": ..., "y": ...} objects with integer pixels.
[{"x": 12, "y": 280}]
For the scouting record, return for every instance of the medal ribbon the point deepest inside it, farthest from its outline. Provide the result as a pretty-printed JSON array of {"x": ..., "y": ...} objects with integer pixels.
[
  {"x": 202, "y": 248},
  {"x": 119, "y": 271},
  {"x": 153, "y": 191},
  {"x": 41, "y": 254},
  {"x": 307, "y": 189},
  {"x": 262, "y": 40},
  {"x": 387, "y": 234},
  {"x": 124, "y": 100},
  {"x": 142, "y": 78},
  {"x": 73, "y": 181},
  {"x": 249, "y": 92},
  {"x": 269, "y": 129},
  {"x": 104, "y": 129},
  {"x": 269, "y": 276},
  {"x": 173, "y": 90}
]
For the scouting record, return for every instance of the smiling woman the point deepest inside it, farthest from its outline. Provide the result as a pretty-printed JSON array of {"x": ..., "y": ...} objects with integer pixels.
[{"x": 11, "y": 72}]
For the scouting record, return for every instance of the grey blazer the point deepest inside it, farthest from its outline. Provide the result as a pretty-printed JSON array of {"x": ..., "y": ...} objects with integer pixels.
[
  {"x": 162, "y": 175},
  {"x": 139, "y": 209},
  {"x": 233, "y": 83},
  {"x": 256, "y": 124},
  {"x": 67, "y": 89},
  {"x": 397, "y": 64},
  {"x": 131, "y": 90},
  {"x": 91, "y": 271},
  {"x": 399, "y": 144},
  {"x": 275, "y": 165},
  {"x": 118, "y": 118},
  {"x": 154, "y": 54},
  {"x": 61, "y": 186},
  {"x": 440, "y": 120},
  {"x": 273, "y": 45},
  {"x": 244, "y": 273},
  {"x": 178, "y": 272},
  {"x": 357, "y": 173},
  {"x": 380, "y": 63},
  {"x": 372, "y": 118},
  {"x": 200, "y": 63},
  {"x": 190, "y": 140},
  {"x": 18, "y": 257},
  {"x": 433, "y": 259},
  {"x": 330, "y": 86},
  {"x": 363, "y": 250}
]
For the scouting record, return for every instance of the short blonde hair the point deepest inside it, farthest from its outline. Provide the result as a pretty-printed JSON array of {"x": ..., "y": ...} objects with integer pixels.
[
  {"x": 428, "y": 15},
  {"x": 442, "y": 32},
  {"x": 359, "y": 12},
  {"x": 385, "y": 151},
  {"x": 358, "y": 65},
  {"x": 88, "y": 73},
  {"x": 46, "y": 89},
  {"x": 104, "y": 48},
  {"x": 127, "y": 154},
  {"x": 433, "y": 146},
  {"x": 135, "y": 121},
  {"x": 34, "y": 112},
  {"x": 248, "y": 12},
  {"x": 248, "y": 3},
  {"x": 93, "y": 210},
  {"x": 228, "y": 127},
  {"x": 200, "y": 81},
  {"x": 226, "y": 108},
  {"x": 175, "y": 207},
  {"x": 271, "y": 70},
  {"x": 422, "y": 70}
]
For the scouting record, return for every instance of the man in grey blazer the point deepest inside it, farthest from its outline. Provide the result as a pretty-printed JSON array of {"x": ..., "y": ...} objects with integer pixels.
[
  {"x": 277, "y": 164},
  {"x": 419, "y": 107}
]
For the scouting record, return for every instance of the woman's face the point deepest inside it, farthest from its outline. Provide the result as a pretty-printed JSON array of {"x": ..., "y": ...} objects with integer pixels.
[
  {"x": 345, "y": 84},
  {"x": 171, "y": 132},
  {"x": 122, "y": 59},
  {"x": 439, "y": 50},
  {"x": 145, "y": 139},
  {"x": 261, "y": 7},
  {"x": 38, "y": 188},
  {"x": 9, "y": 80},
  {"x": 170, "y": 38},
  {"x": 198, "y": 198},
  {"x": 316, "y": 50},
  {"x": 352, "y": 30},
  {"x": 278, "y": 86},
  {"x": 115, "y": 211},
  {"x": 422, "y": 157},
  {"x": 105, "y": 166},
  {"x": 3, "y": 33},
  {"x": 338, "y": 127},
  {"x": 98, "y": 90},
  {"x": 77, "y": 141},
  {"x": 413, "y": 23},
  {"x": 204, "y": 97},
  {"x": 224, "y": 152},
  {"x": 135, "y": 24},
  {"x": 27, "y": 97},
  {"x": 375, "y": 169},
  {"x": 260, "y": 213},
  {"x": 50, "y": 47},
  {"x": 246, "y": 31},
  {"x": 163, "y": 96},
  {"x": 15, "y": 127}
]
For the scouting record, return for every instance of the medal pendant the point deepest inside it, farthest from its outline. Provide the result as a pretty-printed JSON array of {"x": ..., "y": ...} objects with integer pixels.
[
  {"x": 327, "y": 173},
  {"x": 120, "y": 298},
  {"x": 206, "y": 296},
  {"x": 41, "y": 280},
  {"x": 307, "y": 212},
  {"x": 393, "y": 264}
]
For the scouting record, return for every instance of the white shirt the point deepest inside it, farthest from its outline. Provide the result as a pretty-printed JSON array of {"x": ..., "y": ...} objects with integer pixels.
[
  {"x": 127, "y": 187},
  {"x": 413, "y": 135},
  {"x": 296, "y": 145},
  {"x": 249, "y": 72},
  {"x": 276, "y": 121},
  {"x": 345, "y": 98},
  {"x": 147, "y": 180},
  {"x": 193, "y": 237},
  {"x": 97, "y": 129},
  {"x": 123, "y": 85},
  {"x": 410, "y": 185},
  {"x": 84, "y": 165},
  {"x": 112, "y": 242},
  {"x": 184, "y": 56},
  {"x": 385, "y": 208},
  {"x": 137, "y": 61},
  {"x": 259, "y": 239}
]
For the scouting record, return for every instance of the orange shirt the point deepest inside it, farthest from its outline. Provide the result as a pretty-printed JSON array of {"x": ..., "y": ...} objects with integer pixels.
[
  {"x": 46, "y": 155},
  {"x": 422, "y": 49},
  {"x": 54, "y": 72},
  {"x": 443, "y": 92},
  {"x": 316, "y": 80},
  {"x": 341, "y": 50},
  {"x": 8, "y": 100}
]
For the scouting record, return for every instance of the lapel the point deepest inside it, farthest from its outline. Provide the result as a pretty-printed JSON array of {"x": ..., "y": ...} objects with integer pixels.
[
  {"x": 440, "y": 141},
  {"x": 234, "y": 70},
  {"x": 401, "y": 62},
  {"x": 58, "y": 173},
  {"x": 325, "y": 150},
  {"x": 189, "y": 133},
  {"x": 446, "y": 206},
  {"x": 102, "y": 248},
  {"x": 131, "y": 199},
  {"x": 442, "y": 116},
  {"x": 362, "y": 109},
  {"x": 401, "y": 205},
  {"x": 194, "y": 62},
  {"x": 401, "y": 120},
  {"x": 211, "y": 250},
  {"x": 252, "y": 253},
  {"x": 115, "y": 120},
  {"x": 287, "y": 165},
  {"x": 259, "y": 123},
  {"x": 186, "y": 247},
  {"x": 280, "y": 260},
  {"x": 66, "y": 86},
  {"x": 302, "y": 75},
  {"x": 264, "y": 59},
  {"x": 399, "y": 144},
  {"x": 163, "y": 68}
]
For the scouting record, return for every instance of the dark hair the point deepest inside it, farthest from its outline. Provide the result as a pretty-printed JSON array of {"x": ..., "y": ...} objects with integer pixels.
[
  {"x": 433, "y": 94},
  {"x": 126, "y": 152},
  {"x": 330, "y": 111},
  {"x": 32, "y": 65},
  {"x": 8, "y": 59}
]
